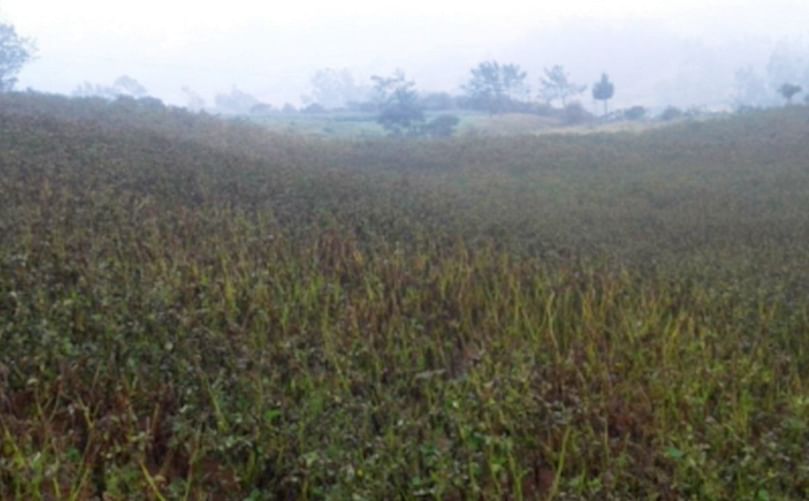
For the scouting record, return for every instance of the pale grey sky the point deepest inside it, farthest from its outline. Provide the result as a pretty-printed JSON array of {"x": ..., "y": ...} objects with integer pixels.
[{"x": 270, "y": 48}]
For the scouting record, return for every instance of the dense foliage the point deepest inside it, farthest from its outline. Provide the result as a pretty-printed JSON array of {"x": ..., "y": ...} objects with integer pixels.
[{"x": 191, "y": 307}]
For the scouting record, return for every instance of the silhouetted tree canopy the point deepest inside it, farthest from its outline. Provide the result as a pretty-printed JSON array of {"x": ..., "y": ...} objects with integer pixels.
[
  {"x": 493, "y": 85},
  {"x": 130, "y": 87},
  {"x": 15, "y": 52},
  {"x": 635, "y": 113},
  {"x": 332, "y": 89},
  {"x": 671, "y": 113},
  {"x": 398, "y": 104},
  {"x": 123, "y": 86},
  {"x": 237, "y": 101},
  {"x": 195, "y": 102},
  {"x": 556, "y": 84},
  {"x": 789, "y": 90},
  {"x": 603, "y": 90}
]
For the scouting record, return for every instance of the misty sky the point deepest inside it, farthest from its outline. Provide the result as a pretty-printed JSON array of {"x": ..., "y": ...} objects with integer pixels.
[{"x": 655, "y": 51}]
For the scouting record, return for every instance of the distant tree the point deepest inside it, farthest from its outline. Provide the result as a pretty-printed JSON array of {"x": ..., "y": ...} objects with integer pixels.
[
  {"x": 332, "y": 89},
  {"x": 493, "y": 85},
  {"x": 122, "y": 86},
  {"x": 789, "y": 90},
  {"x": 513, "y": 81},
  {"x": 603, "y": 90},
  {"x": 126, "y": 85},
  {"x": 261, "y": 109},
  {"x": 87, "y": 89},
  {"x": 788, "y": 63},
  {"x": 313, "y": 109},
  {"x": 398, "y": 104},
  {"x": 383, "y": 87},
  {"x": 194, "y": 101},
  {"x": 236, "y": 102},
  {"x": 151, "y": 103},
  {"x": 137, "y": 105},
  {"x": 15, "y": 52},
  {"x": 556, "y": 84},
  {"x": 635, "y": 113},
  {"x": 671, "y": 113}
]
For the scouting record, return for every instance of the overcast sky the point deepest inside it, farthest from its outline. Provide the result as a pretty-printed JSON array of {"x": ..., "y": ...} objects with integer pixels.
[{"x": 271, "y": 48}]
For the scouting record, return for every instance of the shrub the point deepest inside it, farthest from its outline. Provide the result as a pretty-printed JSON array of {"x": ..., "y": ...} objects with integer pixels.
[
  {"x": 574, "y": 114},
  {"x": 635, "y": 113},
  {"x": 671, "y": 113},
  {"x": 441, "y": 126},
  {"x": 261, "y": 109},
  {"x": 313, "y": 108}
]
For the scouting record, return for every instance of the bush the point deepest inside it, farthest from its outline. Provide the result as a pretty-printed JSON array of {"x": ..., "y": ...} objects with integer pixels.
[
  {"x": 313, "y": 108},
  {"x": 442, "y": 126},
  {"x": 635, "y": 113},
  {"x": 500, "y": 105},
  {"x": 574, "y": 114},
  {"x": 362, "y": 106},
  {"x": 671, "y": 113},
  {"x": 261, "y": 109}
]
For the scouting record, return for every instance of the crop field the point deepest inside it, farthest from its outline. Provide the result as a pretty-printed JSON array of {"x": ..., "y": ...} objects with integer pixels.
[{"x": 192, "y": 308}]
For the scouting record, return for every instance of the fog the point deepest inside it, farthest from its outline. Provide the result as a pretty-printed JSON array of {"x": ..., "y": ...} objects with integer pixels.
[{"x": 683, "y": 53}]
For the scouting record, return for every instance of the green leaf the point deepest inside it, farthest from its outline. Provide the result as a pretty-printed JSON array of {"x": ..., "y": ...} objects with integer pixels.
[{"x": 675, "y": 453}]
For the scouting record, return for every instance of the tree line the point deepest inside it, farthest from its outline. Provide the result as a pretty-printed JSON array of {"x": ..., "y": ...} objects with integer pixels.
[{"x": 491, "y": 86}]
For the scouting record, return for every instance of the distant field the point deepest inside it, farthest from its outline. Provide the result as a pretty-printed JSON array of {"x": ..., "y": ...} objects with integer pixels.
[
  {"x": 192, "y": 307},
  {"x": 335, "y": 124},
  {"x": 352, "y": 124}
]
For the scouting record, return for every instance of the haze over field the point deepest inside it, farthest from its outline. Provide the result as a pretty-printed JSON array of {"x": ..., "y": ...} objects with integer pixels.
[
  {"x": 349, "y": 250},
  {"x": 685, "y": 53}
]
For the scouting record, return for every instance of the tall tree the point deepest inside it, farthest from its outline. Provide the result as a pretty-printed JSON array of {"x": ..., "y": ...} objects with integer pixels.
[
  {"x": 398, "y": 104},
  {"x": 15, "y": 52},
  {"x": 384, "y": 87},
  {"x": 789, "y": 90},
  {"x": 332, "y": 88},
  {"x": 603, "y": 90},
  {"x": 493, "y": 84},
  {"x": 788, "y": 63},
  {"x": 556, "y": 84}
]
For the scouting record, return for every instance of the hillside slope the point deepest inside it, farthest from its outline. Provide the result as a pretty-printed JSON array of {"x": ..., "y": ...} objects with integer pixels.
[{"x": 191, "y": 307}]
